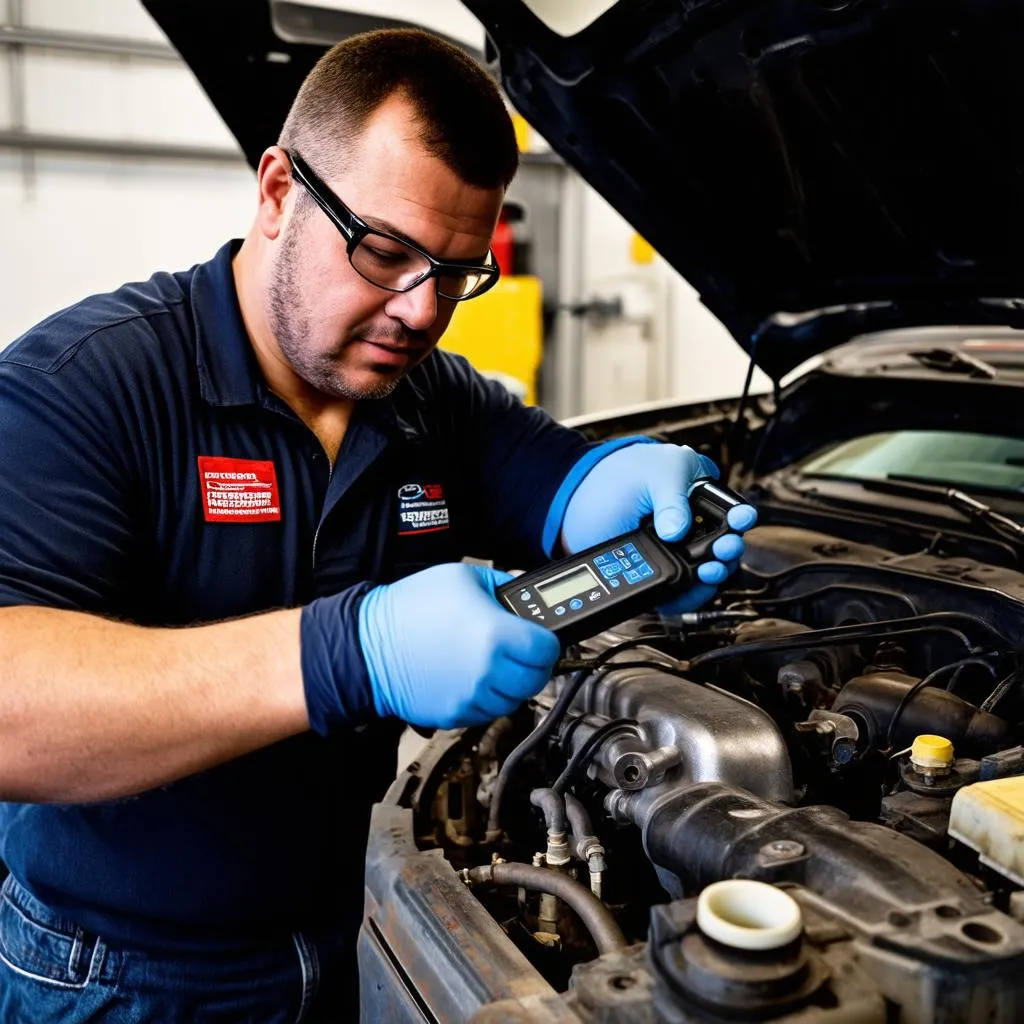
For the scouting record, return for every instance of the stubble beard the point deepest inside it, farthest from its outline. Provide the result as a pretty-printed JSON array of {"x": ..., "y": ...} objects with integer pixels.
[{"x": 291, "y": 327}]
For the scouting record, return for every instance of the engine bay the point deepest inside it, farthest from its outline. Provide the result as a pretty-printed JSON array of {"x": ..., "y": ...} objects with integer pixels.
[{"x": 832, "y": 726}]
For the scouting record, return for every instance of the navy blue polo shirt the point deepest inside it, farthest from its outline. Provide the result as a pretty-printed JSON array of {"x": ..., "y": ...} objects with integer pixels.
[{"x": 148, "y": 473}]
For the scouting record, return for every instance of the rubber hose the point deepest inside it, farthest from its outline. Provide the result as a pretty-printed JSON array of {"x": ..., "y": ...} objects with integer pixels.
[
  {"x": 488, "y": 746},
  {"x": 579, "y": 821},
  {"x": 603, "y": 928},
  {"x": 553, "y": 807}
]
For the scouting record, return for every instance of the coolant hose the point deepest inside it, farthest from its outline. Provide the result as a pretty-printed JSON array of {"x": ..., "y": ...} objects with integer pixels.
[
  {"x": 579, "y": 821},
  {"x": 487, "y": 749},
  {"x": 592, "y": 912},
  {"x": 552, "y": 805}
]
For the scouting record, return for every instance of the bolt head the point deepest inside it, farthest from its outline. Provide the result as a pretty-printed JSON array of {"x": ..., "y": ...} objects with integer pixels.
[{"x": 783, "y": 849}]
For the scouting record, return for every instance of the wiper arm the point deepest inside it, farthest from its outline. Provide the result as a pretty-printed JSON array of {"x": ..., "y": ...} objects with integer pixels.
[
  {"x": 950, "y": 360},
  {"x": 911, "y": 487},
  {"x": 975, "y": 509}
]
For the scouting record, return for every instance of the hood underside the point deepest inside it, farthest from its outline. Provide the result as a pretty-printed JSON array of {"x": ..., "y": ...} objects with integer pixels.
[
  {"x": 790, "y": 156},
  {"x": 814, "y": 169}
]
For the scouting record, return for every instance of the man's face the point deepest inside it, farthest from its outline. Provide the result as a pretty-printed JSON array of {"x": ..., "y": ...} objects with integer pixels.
[{"x": 339, "y": 333}]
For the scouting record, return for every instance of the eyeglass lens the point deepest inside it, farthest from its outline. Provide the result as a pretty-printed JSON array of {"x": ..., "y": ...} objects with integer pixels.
[{"x": 389, "y": 263}]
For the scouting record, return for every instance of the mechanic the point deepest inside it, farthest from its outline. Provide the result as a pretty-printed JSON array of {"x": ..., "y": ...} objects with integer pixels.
[{"x": 220, "y": 601}]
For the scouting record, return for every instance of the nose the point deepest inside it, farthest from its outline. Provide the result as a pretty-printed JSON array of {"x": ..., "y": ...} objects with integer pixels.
[{"x": 417, "y": 309}]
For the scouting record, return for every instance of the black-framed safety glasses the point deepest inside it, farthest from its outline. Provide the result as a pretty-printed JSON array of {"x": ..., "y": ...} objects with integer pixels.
[{"x": 387, "y": 261}]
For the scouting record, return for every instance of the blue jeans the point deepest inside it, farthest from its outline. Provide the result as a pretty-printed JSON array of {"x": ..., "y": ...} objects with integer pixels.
[{"x": 52, "y": 970}]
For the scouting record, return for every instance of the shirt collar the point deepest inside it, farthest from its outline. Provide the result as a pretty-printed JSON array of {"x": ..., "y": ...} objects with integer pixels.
[{"x": 228, "y": 371}]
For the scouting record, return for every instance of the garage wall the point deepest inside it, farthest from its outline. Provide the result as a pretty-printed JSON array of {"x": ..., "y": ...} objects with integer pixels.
[{"x": 75, "y": 223}]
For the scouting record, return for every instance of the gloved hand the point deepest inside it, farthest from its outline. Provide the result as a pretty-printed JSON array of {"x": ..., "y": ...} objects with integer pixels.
[
  {"x": 441, "y": 652},
  {"x": 640, "y": 480}
]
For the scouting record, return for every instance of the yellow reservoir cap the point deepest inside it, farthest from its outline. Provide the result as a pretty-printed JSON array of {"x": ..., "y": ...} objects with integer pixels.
[{"x": 931, "y": 752}]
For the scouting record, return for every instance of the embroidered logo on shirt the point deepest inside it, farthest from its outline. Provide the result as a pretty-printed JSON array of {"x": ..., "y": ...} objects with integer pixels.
[
  {"x": 422, "y": 509},
  {"x": 238, "y": 490}
]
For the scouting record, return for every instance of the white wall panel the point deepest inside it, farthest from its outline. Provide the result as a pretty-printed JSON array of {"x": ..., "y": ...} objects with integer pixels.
[
  {"x": 708, "y": 362},
  {"x": 75, "y": 226},
  {"x": 120, "y": 18},
  {"x": 686, "y": 353},
  {"x": 89, "y": 95},
  {"x": 5, "y": 89}
]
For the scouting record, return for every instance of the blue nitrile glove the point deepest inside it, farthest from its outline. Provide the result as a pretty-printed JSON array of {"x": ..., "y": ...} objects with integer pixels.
[
  {"x": 441, "y": 652},
  {"x": 643, "y": 479}
]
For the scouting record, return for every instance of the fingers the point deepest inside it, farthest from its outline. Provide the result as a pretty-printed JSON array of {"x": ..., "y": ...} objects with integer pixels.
[
  {"x": 490, "y": 579},
  {"x": 729, "y": 548},
  {"x": 728, "y": 551},
  {"x": 712, "y": 572},
  {"x": 742, "y": 517},
  {"x": 507, "y": 686},
  {"x": 526, "y": 643},
  {"x": 667, "y": 493},
  {"x": 529, "y": 646},
  {"x": 672, "y": 516},
  {"x": 517, "y": 682},
  {"x": 707, "y": 467}
]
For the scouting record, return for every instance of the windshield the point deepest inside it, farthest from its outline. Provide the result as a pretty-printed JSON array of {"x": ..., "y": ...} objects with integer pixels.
[{"x": 930, "y": 456}]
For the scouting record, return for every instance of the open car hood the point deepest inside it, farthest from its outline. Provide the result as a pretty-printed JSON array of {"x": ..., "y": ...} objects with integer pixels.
[{"x": 814, "y": 169}]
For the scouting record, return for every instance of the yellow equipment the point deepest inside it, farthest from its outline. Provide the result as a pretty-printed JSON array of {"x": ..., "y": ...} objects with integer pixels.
[{"x": 501, "y": 332}]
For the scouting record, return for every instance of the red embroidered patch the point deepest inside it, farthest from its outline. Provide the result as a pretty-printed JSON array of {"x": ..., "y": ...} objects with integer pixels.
[{"x": 238, "y": 490}]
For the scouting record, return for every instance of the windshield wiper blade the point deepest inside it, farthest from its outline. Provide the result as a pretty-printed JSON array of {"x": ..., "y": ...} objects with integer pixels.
[
  {"x": 975, "y": 509},
  {"x": 950, "y": 360},
  {"x": 935, "y": 485},
  {"x": 968, "y": 505}
]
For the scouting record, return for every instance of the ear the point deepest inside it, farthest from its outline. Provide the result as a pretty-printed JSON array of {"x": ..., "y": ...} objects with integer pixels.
[{"x": 274, "y": 181}]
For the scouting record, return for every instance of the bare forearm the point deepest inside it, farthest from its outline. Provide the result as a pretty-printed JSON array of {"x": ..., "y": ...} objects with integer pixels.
[{"x": 94, "y": 710}]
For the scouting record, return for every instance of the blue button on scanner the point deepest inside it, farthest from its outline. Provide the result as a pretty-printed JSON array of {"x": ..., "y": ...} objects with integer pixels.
[
  {"x": 575, "y": 604},
  {"x": 560, "y": 610},
  {"x": 645, "y": 570},
  {"x": 614, "y": 583},
  {"x": 632, "y": 576}
]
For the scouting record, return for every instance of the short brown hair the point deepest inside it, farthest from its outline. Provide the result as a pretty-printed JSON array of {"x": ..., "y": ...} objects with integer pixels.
[{"x": 462, "y": 116}]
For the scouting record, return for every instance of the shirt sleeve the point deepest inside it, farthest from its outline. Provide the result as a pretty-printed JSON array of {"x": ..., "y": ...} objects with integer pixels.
[
  {"x": 67, "y": 501},
  {"x": 515, "y": 459}
]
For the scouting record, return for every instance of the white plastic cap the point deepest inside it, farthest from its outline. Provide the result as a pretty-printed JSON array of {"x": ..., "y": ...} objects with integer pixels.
[{"x": 745, "y": 914}]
